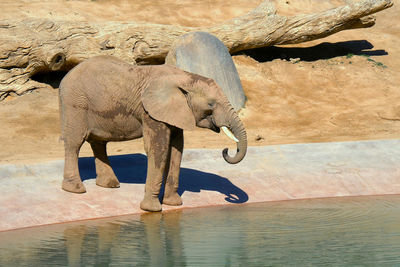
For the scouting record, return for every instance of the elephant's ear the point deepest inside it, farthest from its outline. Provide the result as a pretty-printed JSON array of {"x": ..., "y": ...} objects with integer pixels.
[{"x": 166, "y": 102}]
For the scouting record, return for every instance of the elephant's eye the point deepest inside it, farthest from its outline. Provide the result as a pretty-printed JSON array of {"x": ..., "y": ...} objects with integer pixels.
[{"x": 211, "y": 104}]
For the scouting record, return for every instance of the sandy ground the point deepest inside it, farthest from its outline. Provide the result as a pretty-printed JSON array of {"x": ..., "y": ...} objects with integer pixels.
[{"x": 341, "y": 88}]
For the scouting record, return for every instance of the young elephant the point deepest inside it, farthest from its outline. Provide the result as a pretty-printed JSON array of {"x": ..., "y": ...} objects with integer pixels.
[{"x": 105, "y": 99}]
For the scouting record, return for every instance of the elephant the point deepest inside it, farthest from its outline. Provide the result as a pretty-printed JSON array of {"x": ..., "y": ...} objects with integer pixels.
[{"x": 105, "y": 99}]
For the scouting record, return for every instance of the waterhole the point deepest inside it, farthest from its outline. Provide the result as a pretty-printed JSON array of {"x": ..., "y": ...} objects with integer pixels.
[{"x": 357, "y": 231}]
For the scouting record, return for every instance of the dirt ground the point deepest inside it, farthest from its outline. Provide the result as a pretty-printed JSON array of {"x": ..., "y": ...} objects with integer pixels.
[{"x": 341, "y": 88}]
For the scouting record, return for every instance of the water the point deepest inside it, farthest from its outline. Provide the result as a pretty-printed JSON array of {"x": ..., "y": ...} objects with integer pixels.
[{"x": 359, "y": 231}]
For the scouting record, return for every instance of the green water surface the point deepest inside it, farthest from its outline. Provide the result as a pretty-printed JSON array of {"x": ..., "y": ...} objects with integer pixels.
[{"x": 358, "y": 231}]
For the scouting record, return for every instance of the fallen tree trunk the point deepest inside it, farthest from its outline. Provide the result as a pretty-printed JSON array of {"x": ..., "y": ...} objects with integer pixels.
[{"x": 33, "y": 46}]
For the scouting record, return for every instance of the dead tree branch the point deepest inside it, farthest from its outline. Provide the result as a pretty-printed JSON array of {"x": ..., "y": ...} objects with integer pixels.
[{"x": 32, "y": 46}]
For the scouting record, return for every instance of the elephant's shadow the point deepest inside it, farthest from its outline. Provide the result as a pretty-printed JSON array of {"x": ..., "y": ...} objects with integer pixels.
[{"x": 132, "y": 168}]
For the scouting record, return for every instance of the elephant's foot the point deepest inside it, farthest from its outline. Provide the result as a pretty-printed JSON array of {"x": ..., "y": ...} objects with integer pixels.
[
  {"x": 172, "y": 200},
  {"x": 73, "y": 185},
  {"x": 150, "y": 204},
  {"x": 107, "y": 181}
]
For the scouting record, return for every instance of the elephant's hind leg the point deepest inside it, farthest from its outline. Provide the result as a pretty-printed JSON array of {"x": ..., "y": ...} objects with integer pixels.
[
  {"x": 171, "y": 196},
  {"x": 105, "y": 174},
  {"x": 72, "y": 181},
  {"x": 74, "y": 136}
]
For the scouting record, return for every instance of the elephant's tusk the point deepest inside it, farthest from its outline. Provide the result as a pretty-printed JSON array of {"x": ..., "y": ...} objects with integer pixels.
[{"x": 229, "y": 134}]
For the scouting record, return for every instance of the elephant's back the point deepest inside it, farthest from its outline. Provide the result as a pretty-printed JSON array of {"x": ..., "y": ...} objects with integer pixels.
[{"x": 96, "y": 81}]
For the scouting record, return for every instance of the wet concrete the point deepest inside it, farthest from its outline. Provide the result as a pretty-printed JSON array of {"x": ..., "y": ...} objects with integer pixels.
[{"x": 31, "y": 195}]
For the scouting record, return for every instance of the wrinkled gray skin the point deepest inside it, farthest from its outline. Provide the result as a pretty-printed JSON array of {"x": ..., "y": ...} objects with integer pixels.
[{"x": 105, "y": 99}]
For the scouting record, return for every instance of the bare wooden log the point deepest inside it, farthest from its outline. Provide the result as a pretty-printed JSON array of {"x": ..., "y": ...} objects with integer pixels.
[{"x": 32, "y": 46}]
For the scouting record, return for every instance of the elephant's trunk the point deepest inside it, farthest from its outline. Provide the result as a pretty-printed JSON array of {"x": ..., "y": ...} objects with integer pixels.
[{"x": 237, "y": 128}]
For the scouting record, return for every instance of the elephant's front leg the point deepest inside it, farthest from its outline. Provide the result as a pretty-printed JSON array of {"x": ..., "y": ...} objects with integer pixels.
[
  {"x": 156, "y": 137},
  {"x": 171, "y": 196}
]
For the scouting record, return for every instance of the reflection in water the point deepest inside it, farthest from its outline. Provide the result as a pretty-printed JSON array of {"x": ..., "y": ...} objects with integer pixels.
[
  {"x": 339, "y": 231},
  {"x": 163, "y": 238},
  {"x": 150, "y": 239}
]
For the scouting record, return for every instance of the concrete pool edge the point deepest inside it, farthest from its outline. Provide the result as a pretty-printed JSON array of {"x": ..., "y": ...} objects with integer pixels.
[{"x": 30, "y": 194}]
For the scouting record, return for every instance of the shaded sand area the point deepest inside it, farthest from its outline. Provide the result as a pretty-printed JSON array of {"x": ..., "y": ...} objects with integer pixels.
[{"x": 344, "y": 87}]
